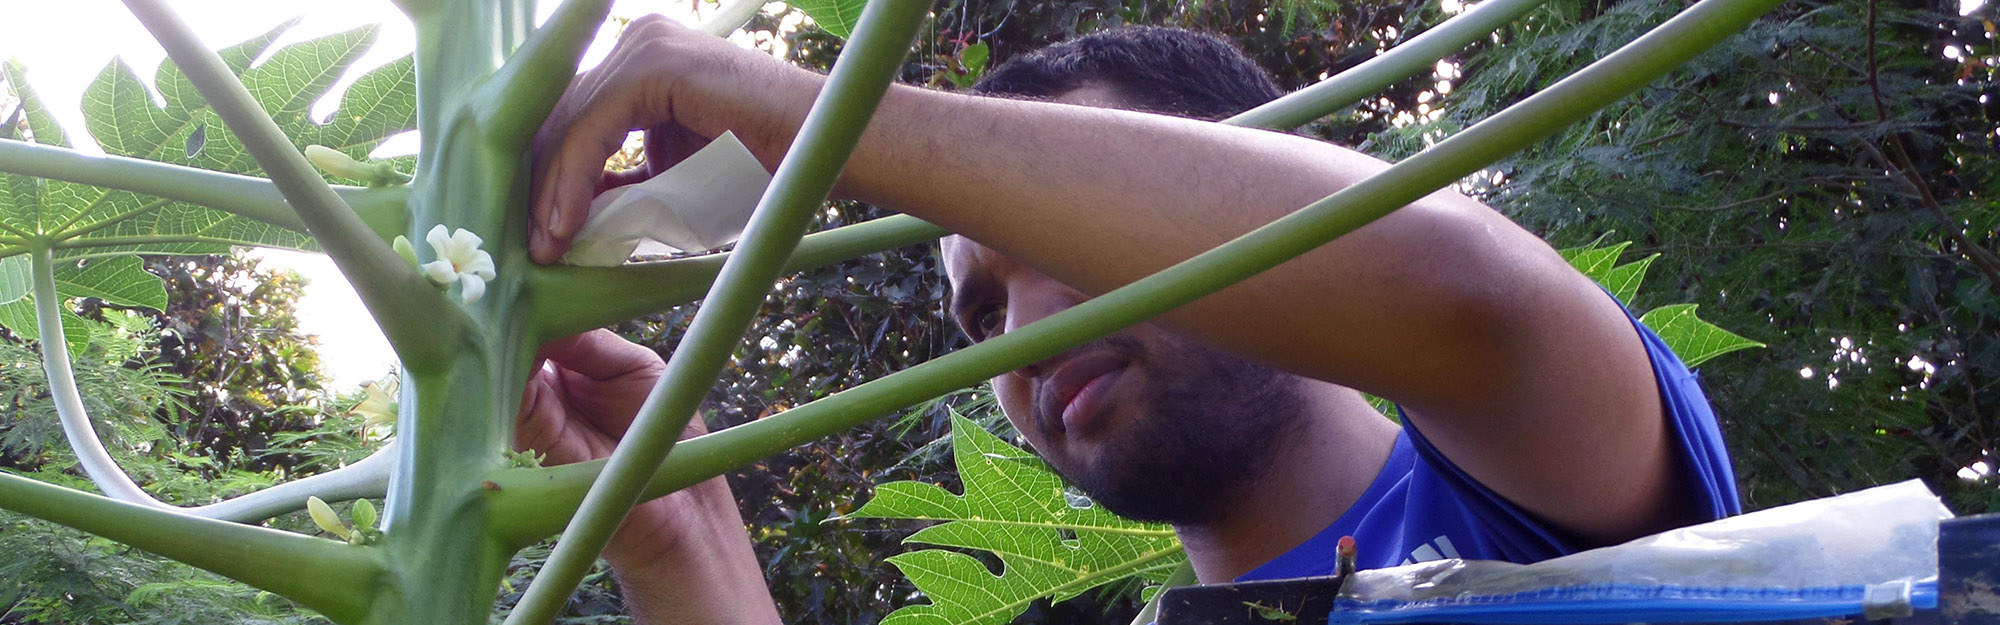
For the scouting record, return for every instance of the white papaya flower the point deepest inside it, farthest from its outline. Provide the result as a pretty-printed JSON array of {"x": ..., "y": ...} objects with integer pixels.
[{"x": 459, "y": 260}]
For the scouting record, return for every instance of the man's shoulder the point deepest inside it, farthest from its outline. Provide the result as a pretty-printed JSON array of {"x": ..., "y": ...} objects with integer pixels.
[{"x": 1423, "y": 506}]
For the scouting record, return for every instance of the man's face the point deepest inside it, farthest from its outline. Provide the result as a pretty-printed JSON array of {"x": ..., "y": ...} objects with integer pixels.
[{"x": 1151, "y": 425}]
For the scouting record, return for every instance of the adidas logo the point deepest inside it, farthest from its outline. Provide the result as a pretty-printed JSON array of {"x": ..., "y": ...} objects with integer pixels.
[{"x": 1437, "y": 549}]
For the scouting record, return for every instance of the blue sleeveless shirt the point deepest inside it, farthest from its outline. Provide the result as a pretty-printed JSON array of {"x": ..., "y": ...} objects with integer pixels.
[{"x": 1422, "y": 507}]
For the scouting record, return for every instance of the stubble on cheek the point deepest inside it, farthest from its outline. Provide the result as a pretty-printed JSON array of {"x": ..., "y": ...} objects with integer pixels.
[{"x": 1194, "y": 436}]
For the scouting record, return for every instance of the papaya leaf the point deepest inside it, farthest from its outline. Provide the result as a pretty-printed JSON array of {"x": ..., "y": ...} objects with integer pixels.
[
  {"x": 122, "y": 113},
  {"x": 121, "y": 281},
  {"x": 1693, "y": 339},
  {"x": 16, "y": 277},
  {"x": 834, "y": 16},
  {"x": 1601, "y": 264},
  {"x": 18, "y": 316},
  {"x": 1051, "y": 543},
  {"x": 1623, "y": 280}
]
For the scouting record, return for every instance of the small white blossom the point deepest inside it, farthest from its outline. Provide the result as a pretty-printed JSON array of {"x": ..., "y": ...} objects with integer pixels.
[{"x": 460, "y": 260}]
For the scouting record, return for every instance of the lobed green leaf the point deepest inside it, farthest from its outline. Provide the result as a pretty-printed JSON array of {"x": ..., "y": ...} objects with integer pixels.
[
  {"x": 1051, "y": 543},
  {"x": 1693, "y": 339},
  {"x": 1601, "y": 264},
  {"x": 179, "y": 127}
]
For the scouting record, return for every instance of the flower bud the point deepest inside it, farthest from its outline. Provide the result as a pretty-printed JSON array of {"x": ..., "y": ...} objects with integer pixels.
[{"x": 326, "y": 519}]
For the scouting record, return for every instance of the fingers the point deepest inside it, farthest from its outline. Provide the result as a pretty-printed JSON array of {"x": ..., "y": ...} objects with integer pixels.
[
  {"x": 589, "y": 124},
  {"x": 584, "y": 394},
  {"x": 680, "y": 86},
  {"x": 602, "y": 356},
  {"x": 569, "y": 178},
  {"x": 540, "y": 423},
  {"x": 546, "y": 424}
]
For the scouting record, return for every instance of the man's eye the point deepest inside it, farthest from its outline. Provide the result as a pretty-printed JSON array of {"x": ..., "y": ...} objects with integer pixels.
[{"x": 989, "y": 322}]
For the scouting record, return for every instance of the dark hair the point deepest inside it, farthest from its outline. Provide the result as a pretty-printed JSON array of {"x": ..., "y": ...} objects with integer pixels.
[{"x": 1159, "y": 70}]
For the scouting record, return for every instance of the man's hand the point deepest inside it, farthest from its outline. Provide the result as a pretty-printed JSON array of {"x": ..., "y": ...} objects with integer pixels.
[
  {"x": 683, "y": 87},
  {"x": 584, "y": 395},
  {"x": 682, "y": 558}
]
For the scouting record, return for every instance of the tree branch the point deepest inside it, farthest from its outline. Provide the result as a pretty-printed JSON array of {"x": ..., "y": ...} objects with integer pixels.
[
  {"x": 90, "y": 453},
  {"x": 368, "y": 478},
  {"x": 334, "y": 578},
  {"x": 384, "y": 209},
  {"x": 569, "y": 299},
  {"x": 420, "y": 323},
  {"x": 1898, "y": 161},
  {"x": 733, "y": 14},
  {"x": 534, "y": 78},
  {"x": 1377, "y": 73}
]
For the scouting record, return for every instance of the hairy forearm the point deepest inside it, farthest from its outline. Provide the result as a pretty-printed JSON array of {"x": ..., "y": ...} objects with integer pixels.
[
  {"x": 696, "y": 595},
  {"x": 1098, "y": 198},
  {"x": 687, "y": 559}
]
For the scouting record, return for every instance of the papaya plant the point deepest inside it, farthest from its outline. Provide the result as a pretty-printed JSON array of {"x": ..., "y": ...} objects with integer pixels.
[{"x": 438, "y": 256}]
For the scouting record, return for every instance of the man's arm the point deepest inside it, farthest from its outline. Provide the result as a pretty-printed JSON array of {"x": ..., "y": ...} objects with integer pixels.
[
  {"x": 1518, "y": 367},
  {"x": 682, "y": 558}
]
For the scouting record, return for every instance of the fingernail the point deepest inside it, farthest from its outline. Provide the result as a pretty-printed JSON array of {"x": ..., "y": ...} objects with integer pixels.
[{"x": 538, "y": 243}]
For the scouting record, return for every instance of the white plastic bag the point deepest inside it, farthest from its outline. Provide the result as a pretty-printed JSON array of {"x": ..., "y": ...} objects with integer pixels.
[{"x": 697, "y": 205}]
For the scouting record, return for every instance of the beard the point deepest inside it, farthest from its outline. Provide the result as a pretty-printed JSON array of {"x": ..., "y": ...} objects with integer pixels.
[{"x": 1213, "y": 424}]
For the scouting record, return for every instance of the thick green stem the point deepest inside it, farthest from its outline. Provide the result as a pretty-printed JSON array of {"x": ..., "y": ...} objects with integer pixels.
[
  {"x": 535, "y": 77},
  {"x": 460, "y": 44},
  {"x": 733, "y": 14},
  {"x": 383, "y": 209},
  {"x": 440, "y": 541},
  {"x": 1372, "y": 76},
  {"x": 807, "y": 173},
  {"x": 1603, "y": 82},
  {"x": 410, "y": 312},
  {"x": 568, "y": 300},
  {"x": 333, "y": 578}
]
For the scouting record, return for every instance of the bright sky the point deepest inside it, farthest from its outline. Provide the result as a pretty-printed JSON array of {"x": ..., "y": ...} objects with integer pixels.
[{"x": 65, "y": 44}]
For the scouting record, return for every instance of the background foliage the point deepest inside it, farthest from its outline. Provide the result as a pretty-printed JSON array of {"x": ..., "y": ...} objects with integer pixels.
[
  {"x": 1824, "y": 183},
  {"x": 187, "y": 400}
]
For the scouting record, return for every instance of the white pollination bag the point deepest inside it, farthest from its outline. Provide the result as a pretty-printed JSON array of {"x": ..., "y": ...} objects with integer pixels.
[{"x": 697, "y": 205}]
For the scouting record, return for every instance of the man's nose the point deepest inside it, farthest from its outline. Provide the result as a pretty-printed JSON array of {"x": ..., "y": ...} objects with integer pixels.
[{"x": 1026, "y": 310}]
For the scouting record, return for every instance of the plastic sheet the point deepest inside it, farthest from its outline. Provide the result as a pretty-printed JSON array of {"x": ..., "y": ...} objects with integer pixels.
[
  {"x": 699, "y": 204},
  {"x": 1869, "y": 554}
]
